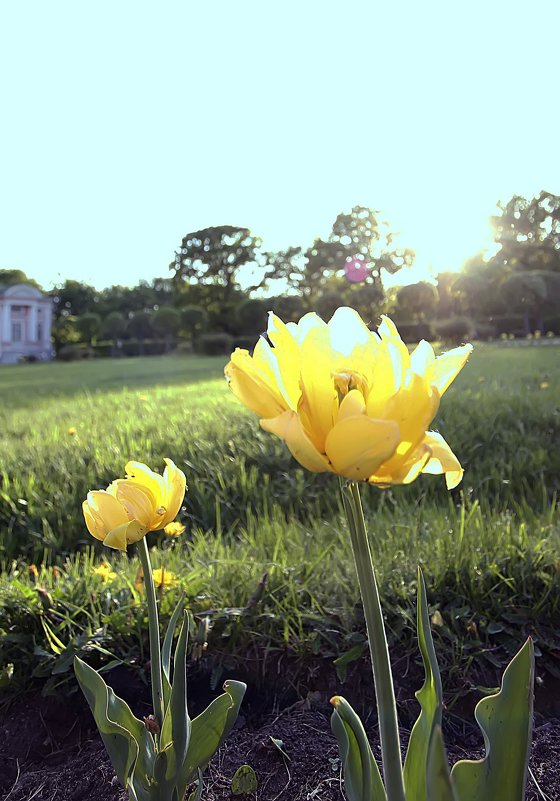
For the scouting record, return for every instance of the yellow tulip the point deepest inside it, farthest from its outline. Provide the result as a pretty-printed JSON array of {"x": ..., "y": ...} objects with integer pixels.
[
  {"x": 350, "y": 401},
  {"x": 130, "y": 507}
]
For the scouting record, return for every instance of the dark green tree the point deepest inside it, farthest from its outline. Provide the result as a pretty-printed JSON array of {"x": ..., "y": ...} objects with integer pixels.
[
  {"x": 113, "y": 327},
  {"x": 73, "y": 298},
  {"x": 9, "y": 277},
  {"x": 140, "y": 327},
  {"x": 89, "y": 326},
  {"x": 166, "y": 321},
  {"x": 195, "y": 320},
  {"x": 251, "y": 316}
]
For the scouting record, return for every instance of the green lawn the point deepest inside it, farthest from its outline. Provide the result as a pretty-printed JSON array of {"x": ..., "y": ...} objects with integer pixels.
[{"x": 489, "y": 549}]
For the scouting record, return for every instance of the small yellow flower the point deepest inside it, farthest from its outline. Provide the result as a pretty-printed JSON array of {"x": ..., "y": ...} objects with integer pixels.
[
  {"x": 33, "y": 573},
  {"x": 164, "y": 578},
  {"x": 544, "y": 385},
  {"x": 143, "y": 398},
  {"x": 174, "y": 529},
  {"x": 72, "y": 431},
  {"x": 130, "y": 507},
  {"x": 105, "y": 572},
  {"x": 350, "y": 401}
]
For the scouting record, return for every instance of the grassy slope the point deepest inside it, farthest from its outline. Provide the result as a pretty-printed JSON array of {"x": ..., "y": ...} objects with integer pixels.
[{"x": 490, "y": 551}]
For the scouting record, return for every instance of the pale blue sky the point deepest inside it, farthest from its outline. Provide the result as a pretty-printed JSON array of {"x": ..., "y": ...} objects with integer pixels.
[{"x": 127, "y": 124}]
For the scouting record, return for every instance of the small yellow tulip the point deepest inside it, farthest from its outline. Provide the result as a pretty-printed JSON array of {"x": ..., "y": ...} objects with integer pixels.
[
  {"x": 174, "y": 529},
  {"x": 72, "y": 431},
  {"x": 349, "y": 401},
  {"x": 130, "y": 507}
]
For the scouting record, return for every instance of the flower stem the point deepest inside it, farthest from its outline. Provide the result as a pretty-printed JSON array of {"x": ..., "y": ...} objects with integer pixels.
[
  {"x": 383, "y": 681},
  {"x": 153, "y": 628}
]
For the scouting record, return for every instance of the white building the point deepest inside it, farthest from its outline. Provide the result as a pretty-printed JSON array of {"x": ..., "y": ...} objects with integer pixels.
[{"x": 25, "y": 324}]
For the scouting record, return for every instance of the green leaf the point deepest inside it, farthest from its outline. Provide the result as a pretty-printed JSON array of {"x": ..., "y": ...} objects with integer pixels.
[
  {"x": 362, "y": 780},
  {"x": 244, "y": 781},
  {"x": 176, "y": 729},
  {"x": 506, "y": 723},
  {"x": 210, "y": 729},
  {"x": 128, "y": 743},
  {"x": 430, "y": 698},
  {"x": 439, "y": 786},
  {"x": 166, "y": 649},
  {"x": 196, "y": 795}
]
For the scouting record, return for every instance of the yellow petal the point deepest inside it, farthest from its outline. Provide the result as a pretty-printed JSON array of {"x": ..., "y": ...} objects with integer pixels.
[
  {"x": 442, "y": 460},
  {"x": 413, "y": 407},
  {"x": 285, "y": 359},
  {"x": 254, "y": 385},
  {"x": 402, "y": 469},
  {"x": 175, "y": 486},
  {"x": 142, "y": 474},
  {"x": 448, "y": 365},
  {"x": 422, "y": 359},
  {"x": 121, "y": 536},
  {"x": 138, "y": 500},
  {"x": 107, "y": 512},
  {"x": 289, "y": 428},
  {"x": 352, "y": 405},
  {"x": 91, "y": 524},
  {"x": 347, "y": 331},
  {"x": 356, "y": 446},
  {"x": 319, "y": 398}
]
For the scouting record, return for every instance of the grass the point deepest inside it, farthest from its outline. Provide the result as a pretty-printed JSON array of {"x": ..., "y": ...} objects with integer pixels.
[{"x": 490, "y": 550}]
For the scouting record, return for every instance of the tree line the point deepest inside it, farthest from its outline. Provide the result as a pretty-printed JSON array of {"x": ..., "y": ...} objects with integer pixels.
[{"x": 222, "y": 282}]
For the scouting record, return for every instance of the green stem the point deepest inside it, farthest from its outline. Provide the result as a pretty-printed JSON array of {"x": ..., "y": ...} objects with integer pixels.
[
  {"x": 383, "y": 681},
  {"x": 153, "y": 628}
]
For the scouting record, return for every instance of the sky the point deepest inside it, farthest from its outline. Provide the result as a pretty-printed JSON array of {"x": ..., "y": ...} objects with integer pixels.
[{"x": 126, "y": 125}]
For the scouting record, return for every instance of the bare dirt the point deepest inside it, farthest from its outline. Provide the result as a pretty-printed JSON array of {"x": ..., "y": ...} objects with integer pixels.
[{"x": 51, "y": 752}]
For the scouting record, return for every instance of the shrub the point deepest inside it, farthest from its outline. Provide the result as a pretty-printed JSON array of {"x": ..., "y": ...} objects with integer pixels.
[
  {"x": 246, "y": 342},
  {"x": 484, "y": 329},
  {"x": 454, "y": 330},
  {"x": 74, "y": 352},
  {"x": 414, "y": 332},
  {"x": 218, "y": 344}
]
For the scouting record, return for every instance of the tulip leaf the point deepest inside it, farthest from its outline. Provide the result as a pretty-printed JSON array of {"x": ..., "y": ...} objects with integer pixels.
[
  {"x": 244, "y": 781},
  {"x": 439, "y": 786},
  {"x": 129, "y": 744},
  {"x": 209, "y": 730},
  {"x": 430, "y": 698},
  {"x": 176, "y": 729},
  {"x": 166, "y": 649},
  {"x": 362, "y": 780},
  {"x": 506, "y": 723}
]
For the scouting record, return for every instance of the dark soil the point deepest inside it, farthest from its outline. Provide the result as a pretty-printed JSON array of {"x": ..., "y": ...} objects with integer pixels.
[{"x": 51, "y": 752}]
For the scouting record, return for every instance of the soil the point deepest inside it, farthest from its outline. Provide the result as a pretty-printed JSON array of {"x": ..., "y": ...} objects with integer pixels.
[{"x": 52, "y": 752}]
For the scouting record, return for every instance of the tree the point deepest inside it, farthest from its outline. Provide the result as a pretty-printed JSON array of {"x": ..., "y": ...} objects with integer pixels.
[
  {"x": 140, "y": 327},
  {"x": 195, "y": 320},
  {"x": 88, "y": 325},
  {"x": 167, "y": 322},
  {"x": 528, "y": 232},
  {"x": 417, "y": 300},
  {"x": 64, "y": 332},
  {"x": 214, "y": 257},
  {"x": 73, "y": 298},
  {"x": 114, "y": 327},
  {"x": 357, "y": 234},
  {"x": 12, "y": 276},
  {"x": 251, "y": 315}
]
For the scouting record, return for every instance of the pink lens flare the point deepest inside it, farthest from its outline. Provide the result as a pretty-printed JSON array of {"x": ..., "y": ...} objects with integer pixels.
[{"x": 356, "y": 270}]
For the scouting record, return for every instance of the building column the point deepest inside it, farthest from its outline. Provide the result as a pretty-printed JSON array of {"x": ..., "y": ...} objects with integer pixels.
[
  {"x": 6, "y": 320},
  {"x": 32, "y": 323},
  {"x": 46, "y": 324}
]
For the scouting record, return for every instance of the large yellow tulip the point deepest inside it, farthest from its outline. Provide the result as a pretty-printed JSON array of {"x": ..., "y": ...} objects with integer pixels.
[
  {"x": 130, "y": 507},
  {"x": 348, "y": 400}
]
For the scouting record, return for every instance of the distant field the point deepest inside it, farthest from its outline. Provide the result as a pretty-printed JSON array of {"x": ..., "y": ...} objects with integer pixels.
[{"x": 490, "y": 548}]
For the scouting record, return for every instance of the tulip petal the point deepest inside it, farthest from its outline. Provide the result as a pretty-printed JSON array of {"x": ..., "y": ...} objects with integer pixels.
[
  {"x": 254, "y": 384},
  {"x": 121, "y": 536},
  {"x": 352, "y": 405},
  {"x": 448, "y": 365},
  {"x": 422, "y": 359},
  {"x": 176, "y": 484},
  {"x": 92, "y": 527},
  {"x": 347, "y": 331},
  {"x": 357, "y": 446},
  {"x": 318, "y": 404},
  {"x": 106, "y": 510},
  {"x": 413, "y": 407},
  {"x": 138, "y": 500},
  {"x": 402, "y": 470},
  {"x": 442, "y": 460},
  {"x": 289, "y": 428}
]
